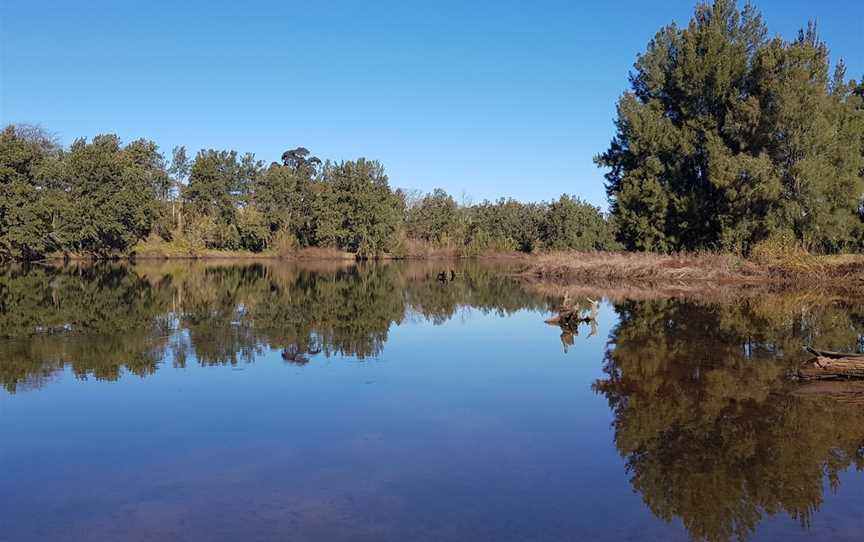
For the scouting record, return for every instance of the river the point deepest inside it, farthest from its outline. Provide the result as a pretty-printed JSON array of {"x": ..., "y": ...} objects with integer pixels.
[{"x": 194, "y": 401}]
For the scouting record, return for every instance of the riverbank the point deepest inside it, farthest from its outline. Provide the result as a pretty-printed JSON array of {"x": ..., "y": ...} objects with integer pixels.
[
  {"x": 631, "y": 272},
  {"x": 697, "y": 272}
]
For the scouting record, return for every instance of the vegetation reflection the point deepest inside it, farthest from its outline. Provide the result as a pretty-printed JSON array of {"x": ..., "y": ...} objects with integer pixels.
[
  {"x": 102, "y": 320},
  {"x": 711, "y": 431}
]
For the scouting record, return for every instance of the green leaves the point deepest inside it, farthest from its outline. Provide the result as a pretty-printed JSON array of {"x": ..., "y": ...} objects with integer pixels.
[
  {"x": 434, "y": 218},
  {"x": 220, "y": 181},
  {"x": 572, "y": 224},
  {"x": 727, "y": 138},
  {"x": 370, "y": 214},
  {"x": 113, "y": 189},
  {"x": 96, "y": 198}
]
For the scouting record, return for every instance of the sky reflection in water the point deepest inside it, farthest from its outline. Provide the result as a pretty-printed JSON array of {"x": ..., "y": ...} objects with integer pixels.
[{"x": 204, "y": 401}]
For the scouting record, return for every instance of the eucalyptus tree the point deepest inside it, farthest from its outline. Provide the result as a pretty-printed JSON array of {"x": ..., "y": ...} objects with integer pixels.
[{"x": 284, "y": 194}]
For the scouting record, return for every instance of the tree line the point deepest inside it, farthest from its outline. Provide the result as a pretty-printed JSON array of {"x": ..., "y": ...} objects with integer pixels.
[
  {"x": 728, "y": 138},
  {"x": 102, "y": 197}
]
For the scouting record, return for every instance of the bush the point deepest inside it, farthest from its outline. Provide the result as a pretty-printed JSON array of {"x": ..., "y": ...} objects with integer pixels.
[
  {"x": 254, "y": 229},
  {"x": 284, "y": 243},
  {"x": 781, "y": 248}
]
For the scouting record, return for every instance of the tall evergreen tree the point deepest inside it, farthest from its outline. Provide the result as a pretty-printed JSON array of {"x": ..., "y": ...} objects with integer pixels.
[{"x": 726, "y": 138}]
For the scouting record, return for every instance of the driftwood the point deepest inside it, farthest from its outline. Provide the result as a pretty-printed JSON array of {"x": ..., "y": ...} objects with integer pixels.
[
  {"x": 442, "y": 276},
  {"x": 827, "y": 365},
  {"x": 298, "y": 356},
  {"x": 569, "y": 318}
]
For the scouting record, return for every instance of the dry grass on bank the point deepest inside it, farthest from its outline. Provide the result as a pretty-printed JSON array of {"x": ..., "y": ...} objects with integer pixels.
[
  {"x": 786, "y": 270},
  {"x": 613, "y": 267},
  {"x": 704, "y": 292}
]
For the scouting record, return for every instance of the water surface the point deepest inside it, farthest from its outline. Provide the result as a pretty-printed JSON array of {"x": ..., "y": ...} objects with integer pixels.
[{"x": 236, "y": 401}]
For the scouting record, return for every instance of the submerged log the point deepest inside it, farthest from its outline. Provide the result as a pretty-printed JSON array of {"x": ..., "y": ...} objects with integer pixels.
[
  {"x": 850, "y": 391},
  {"x": 827, "y": 365},
  {"x": 831, "y": 354}
]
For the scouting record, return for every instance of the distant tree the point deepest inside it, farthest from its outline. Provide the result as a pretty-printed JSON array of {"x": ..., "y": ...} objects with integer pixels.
[
  {"x": 572, "y": 224},
  {"x": 25, "y": 211},
  {"x": 285, "y": 195},
  {"x": 435, "y": 218},
  {"x": 219, "y": 182},
  {"x": 278, "y": 194},
  {"x": 180, "y": 165},
  {"x": 301, "y": 162},
  {"x": 107, "y": 193},
  {"x": 411, "y": 196},
  {"x": 254, "y": 229},
  {"x": 369, "y": 213},
  {"x": 506, "y": 224}
]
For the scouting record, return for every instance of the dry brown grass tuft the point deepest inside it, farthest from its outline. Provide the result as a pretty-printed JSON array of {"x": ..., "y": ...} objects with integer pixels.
[
  {"x": 316, "y": 253},
  {"x": 780, "y": 271},
  {"x": 422, "y": 250},
  {"x": 613, "y": 267}
]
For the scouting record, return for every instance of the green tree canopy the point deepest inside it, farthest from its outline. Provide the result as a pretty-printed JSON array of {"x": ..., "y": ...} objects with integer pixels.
[
  {"x": 573, "y": 224},
  {"x": 106, "y": 193},
  {"x": 25, "y": 210},
  {"x": 435, "y": 218},
  {"x": 370, "y": 214},
  {"x": 726, "y": 138}
]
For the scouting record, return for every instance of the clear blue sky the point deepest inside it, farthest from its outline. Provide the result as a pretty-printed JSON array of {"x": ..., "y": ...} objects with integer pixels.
[{"x": 490, "y": 98}]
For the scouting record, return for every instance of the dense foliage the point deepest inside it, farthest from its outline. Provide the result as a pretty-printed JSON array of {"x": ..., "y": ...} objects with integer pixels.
[
  {"x": 102, "y": 198},
  {"x": 727, "y": 138},
  {"x": 97, "y": 198}
]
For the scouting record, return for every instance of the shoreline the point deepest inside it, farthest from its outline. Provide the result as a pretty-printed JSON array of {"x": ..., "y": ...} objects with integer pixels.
[
  {"x": 644, "y": 272},
  {"x": 305, "y": 254},
  {"x": 654, "y": 275}
]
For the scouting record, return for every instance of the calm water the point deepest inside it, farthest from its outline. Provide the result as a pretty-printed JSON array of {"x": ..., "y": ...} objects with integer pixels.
[{"x": 187, "y": 402}]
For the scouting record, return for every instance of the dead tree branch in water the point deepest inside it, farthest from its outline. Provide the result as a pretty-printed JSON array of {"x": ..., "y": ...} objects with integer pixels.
[{"x": 570, "y": 317}]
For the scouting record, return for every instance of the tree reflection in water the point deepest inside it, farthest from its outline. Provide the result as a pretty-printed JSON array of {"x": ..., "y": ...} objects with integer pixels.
[
  {"x": 711, "y": 430},
  {"x": 103, "y": 320}
]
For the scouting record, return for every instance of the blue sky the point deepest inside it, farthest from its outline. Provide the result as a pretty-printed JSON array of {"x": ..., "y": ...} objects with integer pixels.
[{"x": 481, "y": 98}]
